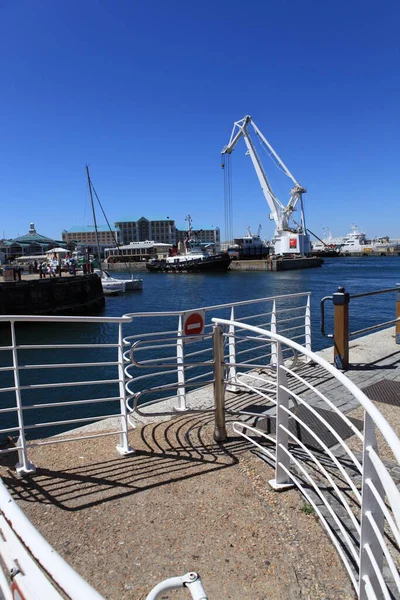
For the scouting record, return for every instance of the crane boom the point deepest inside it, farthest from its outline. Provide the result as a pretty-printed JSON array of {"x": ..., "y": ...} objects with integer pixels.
[{"x": 287, "y": 237}]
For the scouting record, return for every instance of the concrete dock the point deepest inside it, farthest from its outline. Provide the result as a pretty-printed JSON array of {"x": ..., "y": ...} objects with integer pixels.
[{"x": 183, "y": 502}]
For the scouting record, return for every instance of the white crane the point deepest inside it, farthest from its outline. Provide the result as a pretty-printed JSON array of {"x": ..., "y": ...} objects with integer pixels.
[{"x": 289, "y": 239}]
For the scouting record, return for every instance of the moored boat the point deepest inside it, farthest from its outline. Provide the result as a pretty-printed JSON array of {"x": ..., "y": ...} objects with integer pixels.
[{"x": 194, "y": 259}]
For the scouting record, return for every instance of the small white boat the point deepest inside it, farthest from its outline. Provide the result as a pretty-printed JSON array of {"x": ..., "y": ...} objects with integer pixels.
[
  {"x": 130, "y": 284},
  {"x": 111, "y": 286}
]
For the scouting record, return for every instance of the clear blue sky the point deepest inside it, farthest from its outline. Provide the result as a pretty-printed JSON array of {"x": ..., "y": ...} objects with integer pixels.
[{"x": 146, "y": 93}]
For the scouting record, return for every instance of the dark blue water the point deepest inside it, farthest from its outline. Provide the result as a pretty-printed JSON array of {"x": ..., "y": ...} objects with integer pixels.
[{"x": 164, "y": 292}]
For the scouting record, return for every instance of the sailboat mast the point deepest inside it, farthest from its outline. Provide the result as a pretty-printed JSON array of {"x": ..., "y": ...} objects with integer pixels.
[{"x": 94, "y": 215}]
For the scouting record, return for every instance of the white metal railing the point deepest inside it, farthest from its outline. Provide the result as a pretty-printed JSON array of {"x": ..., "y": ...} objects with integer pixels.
[
  {"x": 27, "y": 360},
  {"x": 162, "y": 359},
  {"x": 347, "y": 478}
]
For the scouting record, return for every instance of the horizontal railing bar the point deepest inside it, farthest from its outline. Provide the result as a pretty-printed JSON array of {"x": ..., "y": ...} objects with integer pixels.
[
  {"x": 63, "y": 346},
  {"x": 7, "y": 368},
  {"x": 63, "y": 319},
  {"x": 69, "y": 421},
  {"x": 379, "y": 326},
  {"x": 10, "y": 429},
  {"x": 39, "y": 386},
  {"x": 296, "y": 318},
  {"x": 11, "y": 409},
  {"x": 9, "y": 389},
  {"x": 249, "y": 317},
  {"x": 291, "y": 328},
  {"x": 70, "y": 403},
  {"x": 67, "y": 365},
  {"x": 216, "y": 306},
  {"x": 6, "y": 348},
  {"x": 395, "y": 289},
  {"x": 11, "y": 449},
  {"x": 290, "y": 309},
  {"x": 253, "y": 349}
]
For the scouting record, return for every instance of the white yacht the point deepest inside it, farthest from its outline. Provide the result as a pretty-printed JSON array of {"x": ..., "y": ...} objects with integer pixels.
[
  {"x": 250, "y": 246},
  {"x": 111, "y": 286}
]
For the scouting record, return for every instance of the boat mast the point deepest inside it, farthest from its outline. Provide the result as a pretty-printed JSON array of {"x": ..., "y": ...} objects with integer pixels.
[{"x": 94, "y": 216}]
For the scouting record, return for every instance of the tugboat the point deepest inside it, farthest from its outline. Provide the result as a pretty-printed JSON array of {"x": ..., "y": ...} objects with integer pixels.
[{"x": 195, "y": 259}]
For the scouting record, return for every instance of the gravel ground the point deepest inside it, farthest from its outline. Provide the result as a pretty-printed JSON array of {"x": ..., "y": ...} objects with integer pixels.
[{"x": 180, "y": 503}]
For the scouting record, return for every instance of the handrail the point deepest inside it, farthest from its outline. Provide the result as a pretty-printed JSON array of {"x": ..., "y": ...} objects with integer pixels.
[
  {"x": 173, "y": 313},
  {"x": 329, "y": 477},
  {"x": 342, "y": 335},
  {"x": 54, "y": 565},
  {"x": 384, "y": 427}
]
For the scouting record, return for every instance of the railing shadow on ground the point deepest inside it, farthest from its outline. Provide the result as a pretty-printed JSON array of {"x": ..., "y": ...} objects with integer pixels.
[{"x": 168, "y": 453}]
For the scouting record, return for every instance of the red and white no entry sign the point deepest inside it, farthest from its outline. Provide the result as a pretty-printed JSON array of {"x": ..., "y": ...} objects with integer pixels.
[{"x": 193, "y": 323}]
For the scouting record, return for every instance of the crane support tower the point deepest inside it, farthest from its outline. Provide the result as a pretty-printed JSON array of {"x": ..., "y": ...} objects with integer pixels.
[{"x": 290, "y": 237}]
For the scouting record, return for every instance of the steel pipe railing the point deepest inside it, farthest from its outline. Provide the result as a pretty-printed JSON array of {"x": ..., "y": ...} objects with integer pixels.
[{"x": 332, "y": 477}]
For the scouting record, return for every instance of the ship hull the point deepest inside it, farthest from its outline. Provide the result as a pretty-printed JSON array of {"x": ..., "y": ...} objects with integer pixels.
[{"x": 203, "y": 265}]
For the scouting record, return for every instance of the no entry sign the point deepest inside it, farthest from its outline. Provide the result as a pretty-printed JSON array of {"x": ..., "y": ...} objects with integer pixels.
[{"x": 193, "y": 323}]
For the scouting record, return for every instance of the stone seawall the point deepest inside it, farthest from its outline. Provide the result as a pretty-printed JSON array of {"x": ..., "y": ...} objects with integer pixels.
[{"x": 79, "y": 295}]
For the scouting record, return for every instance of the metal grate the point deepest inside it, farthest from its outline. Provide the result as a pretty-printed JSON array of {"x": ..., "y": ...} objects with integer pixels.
[
  {"x": 385, "y": 391},
  {"x": 267, "y": 424}
]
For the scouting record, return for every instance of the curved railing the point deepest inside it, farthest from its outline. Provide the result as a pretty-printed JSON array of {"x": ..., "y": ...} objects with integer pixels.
[{"x": 331, "y": 457}]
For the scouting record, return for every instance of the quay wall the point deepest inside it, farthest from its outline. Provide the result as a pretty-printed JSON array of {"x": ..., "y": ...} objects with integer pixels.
[
  {"x": 125, "y": 266},
  {"x": 272, "y": 264},
  {"x": 72, "y": 295},
  {"x": 275, "y": 264}
]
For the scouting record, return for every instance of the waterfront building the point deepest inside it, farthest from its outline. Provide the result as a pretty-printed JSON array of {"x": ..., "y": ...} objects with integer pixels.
[
  {"x": 137, "y": 251},
  {"x": 30, "y": 244},
  {"x": 86, "y": 236},
  {"x": 161, "y": 230},
  {"x": 204, "y": 236}
]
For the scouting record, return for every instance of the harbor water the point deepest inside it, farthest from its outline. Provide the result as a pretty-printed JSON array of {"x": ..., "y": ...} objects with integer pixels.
[{"x": 171, "y": 292}]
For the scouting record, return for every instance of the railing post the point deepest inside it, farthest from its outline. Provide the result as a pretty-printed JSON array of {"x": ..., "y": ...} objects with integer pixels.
[
  {"x": 23, "y": 466},
  {"x": 307, "y": 326},
  {"x": 232, "y": 387},
  {"x": 398, "y": 313},
  {"x": 273, "y": 359},
  {"x": 341, "y": 300},
  {"x": 369, "y": 505},
  {"x": 282, "y": 480},
  {"x": 220, "y": 434},
  {"x": 123, "y": 447},
  {"x": 180, "y": 360}
]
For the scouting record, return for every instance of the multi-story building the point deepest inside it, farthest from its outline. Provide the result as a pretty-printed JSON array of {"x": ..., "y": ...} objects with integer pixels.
[
  {"x": 87, "y": 235},
  {"x": 204, "y": 236},
  {"x": 160, "y": 230}
]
